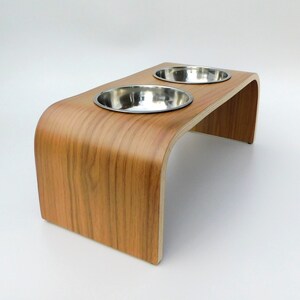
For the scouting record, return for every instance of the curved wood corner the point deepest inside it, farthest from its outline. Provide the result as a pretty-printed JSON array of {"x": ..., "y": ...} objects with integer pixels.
[
  {"x": 99, "y": 176},
  {"x": 102, "y": 174}
]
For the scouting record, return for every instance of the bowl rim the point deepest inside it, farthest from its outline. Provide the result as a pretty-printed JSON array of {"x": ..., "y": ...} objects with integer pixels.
[
  {"x": 191, "y": 67},
  {"x": 188, "y": 102}
]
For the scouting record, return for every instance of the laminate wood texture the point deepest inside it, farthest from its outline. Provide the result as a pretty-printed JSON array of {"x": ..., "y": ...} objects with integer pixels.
[{"x": 102, "y": 174}]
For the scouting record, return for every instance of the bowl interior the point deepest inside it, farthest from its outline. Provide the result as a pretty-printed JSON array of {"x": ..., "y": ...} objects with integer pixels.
[
  {"x": 192, "y": 75},
  {"x": 143, "y": 99}
]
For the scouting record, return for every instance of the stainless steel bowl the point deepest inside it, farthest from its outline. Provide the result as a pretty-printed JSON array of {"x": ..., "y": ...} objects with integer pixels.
[
  {"x": 192, "y": 75},
  {"x": 143, "y": 99}
]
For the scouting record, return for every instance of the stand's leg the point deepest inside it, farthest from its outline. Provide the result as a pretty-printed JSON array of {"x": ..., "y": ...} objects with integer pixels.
[
  {"x": 104, "y": 186},
  {"x": 236, "y": 118}
]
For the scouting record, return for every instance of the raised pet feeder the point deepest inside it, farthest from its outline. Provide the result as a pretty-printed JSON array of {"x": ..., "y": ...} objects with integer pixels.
[{"x": 102, "y": 173}]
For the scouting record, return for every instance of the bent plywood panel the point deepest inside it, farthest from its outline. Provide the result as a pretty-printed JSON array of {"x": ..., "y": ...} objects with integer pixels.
[{"x": 102, "y": 174}]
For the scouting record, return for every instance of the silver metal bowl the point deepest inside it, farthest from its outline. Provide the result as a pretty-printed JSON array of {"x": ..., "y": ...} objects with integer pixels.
[
  {"x": 143, "y": 99},
  {"x": 192, "y": 75}
]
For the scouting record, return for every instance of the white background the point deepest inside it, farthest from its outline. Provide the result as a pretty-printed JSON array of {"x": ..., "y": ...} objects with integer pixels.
[{"x": 232, "y": 227}]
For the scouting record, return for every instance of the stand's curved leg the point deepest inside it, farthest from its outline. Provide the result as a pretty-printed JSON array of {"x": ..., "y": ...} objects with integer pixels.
[
  {"x": 102, "y": 179},
  {"x": 235, "y": 119}
]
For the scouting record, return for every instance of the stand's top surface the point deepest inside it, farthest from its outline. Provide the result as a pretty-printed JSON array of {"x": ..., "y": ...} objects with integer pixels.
[{"x": 93, "y": 123}]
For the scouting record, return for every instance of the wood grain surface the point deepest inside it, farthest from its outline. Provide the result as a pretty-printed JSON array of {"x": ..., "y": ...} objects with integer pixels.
[{"x": 102, "y": 173}]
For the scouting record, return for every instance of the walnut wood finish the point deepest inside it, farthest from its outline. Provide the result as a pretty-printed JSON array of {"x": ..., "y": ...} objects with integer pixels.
[
  {"x": 236, "y": 118},
  {"x": 102, "y": 174}
]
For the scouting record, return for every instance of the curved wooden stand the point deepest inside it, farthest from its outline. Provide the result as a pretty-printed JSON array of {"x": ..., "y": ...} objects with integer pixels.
[{"x": 102, "y": 174}]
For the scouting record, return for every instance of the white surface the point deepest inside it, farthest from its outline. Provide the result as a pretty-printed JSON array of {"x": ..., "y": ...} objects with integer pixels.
[{"x": 232, "y": 227}]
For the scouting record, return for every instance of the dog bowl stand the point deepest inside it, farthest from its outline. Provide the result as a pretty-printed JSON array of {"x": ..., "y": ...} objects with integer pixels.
[{"x": 102, "y": 174}]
